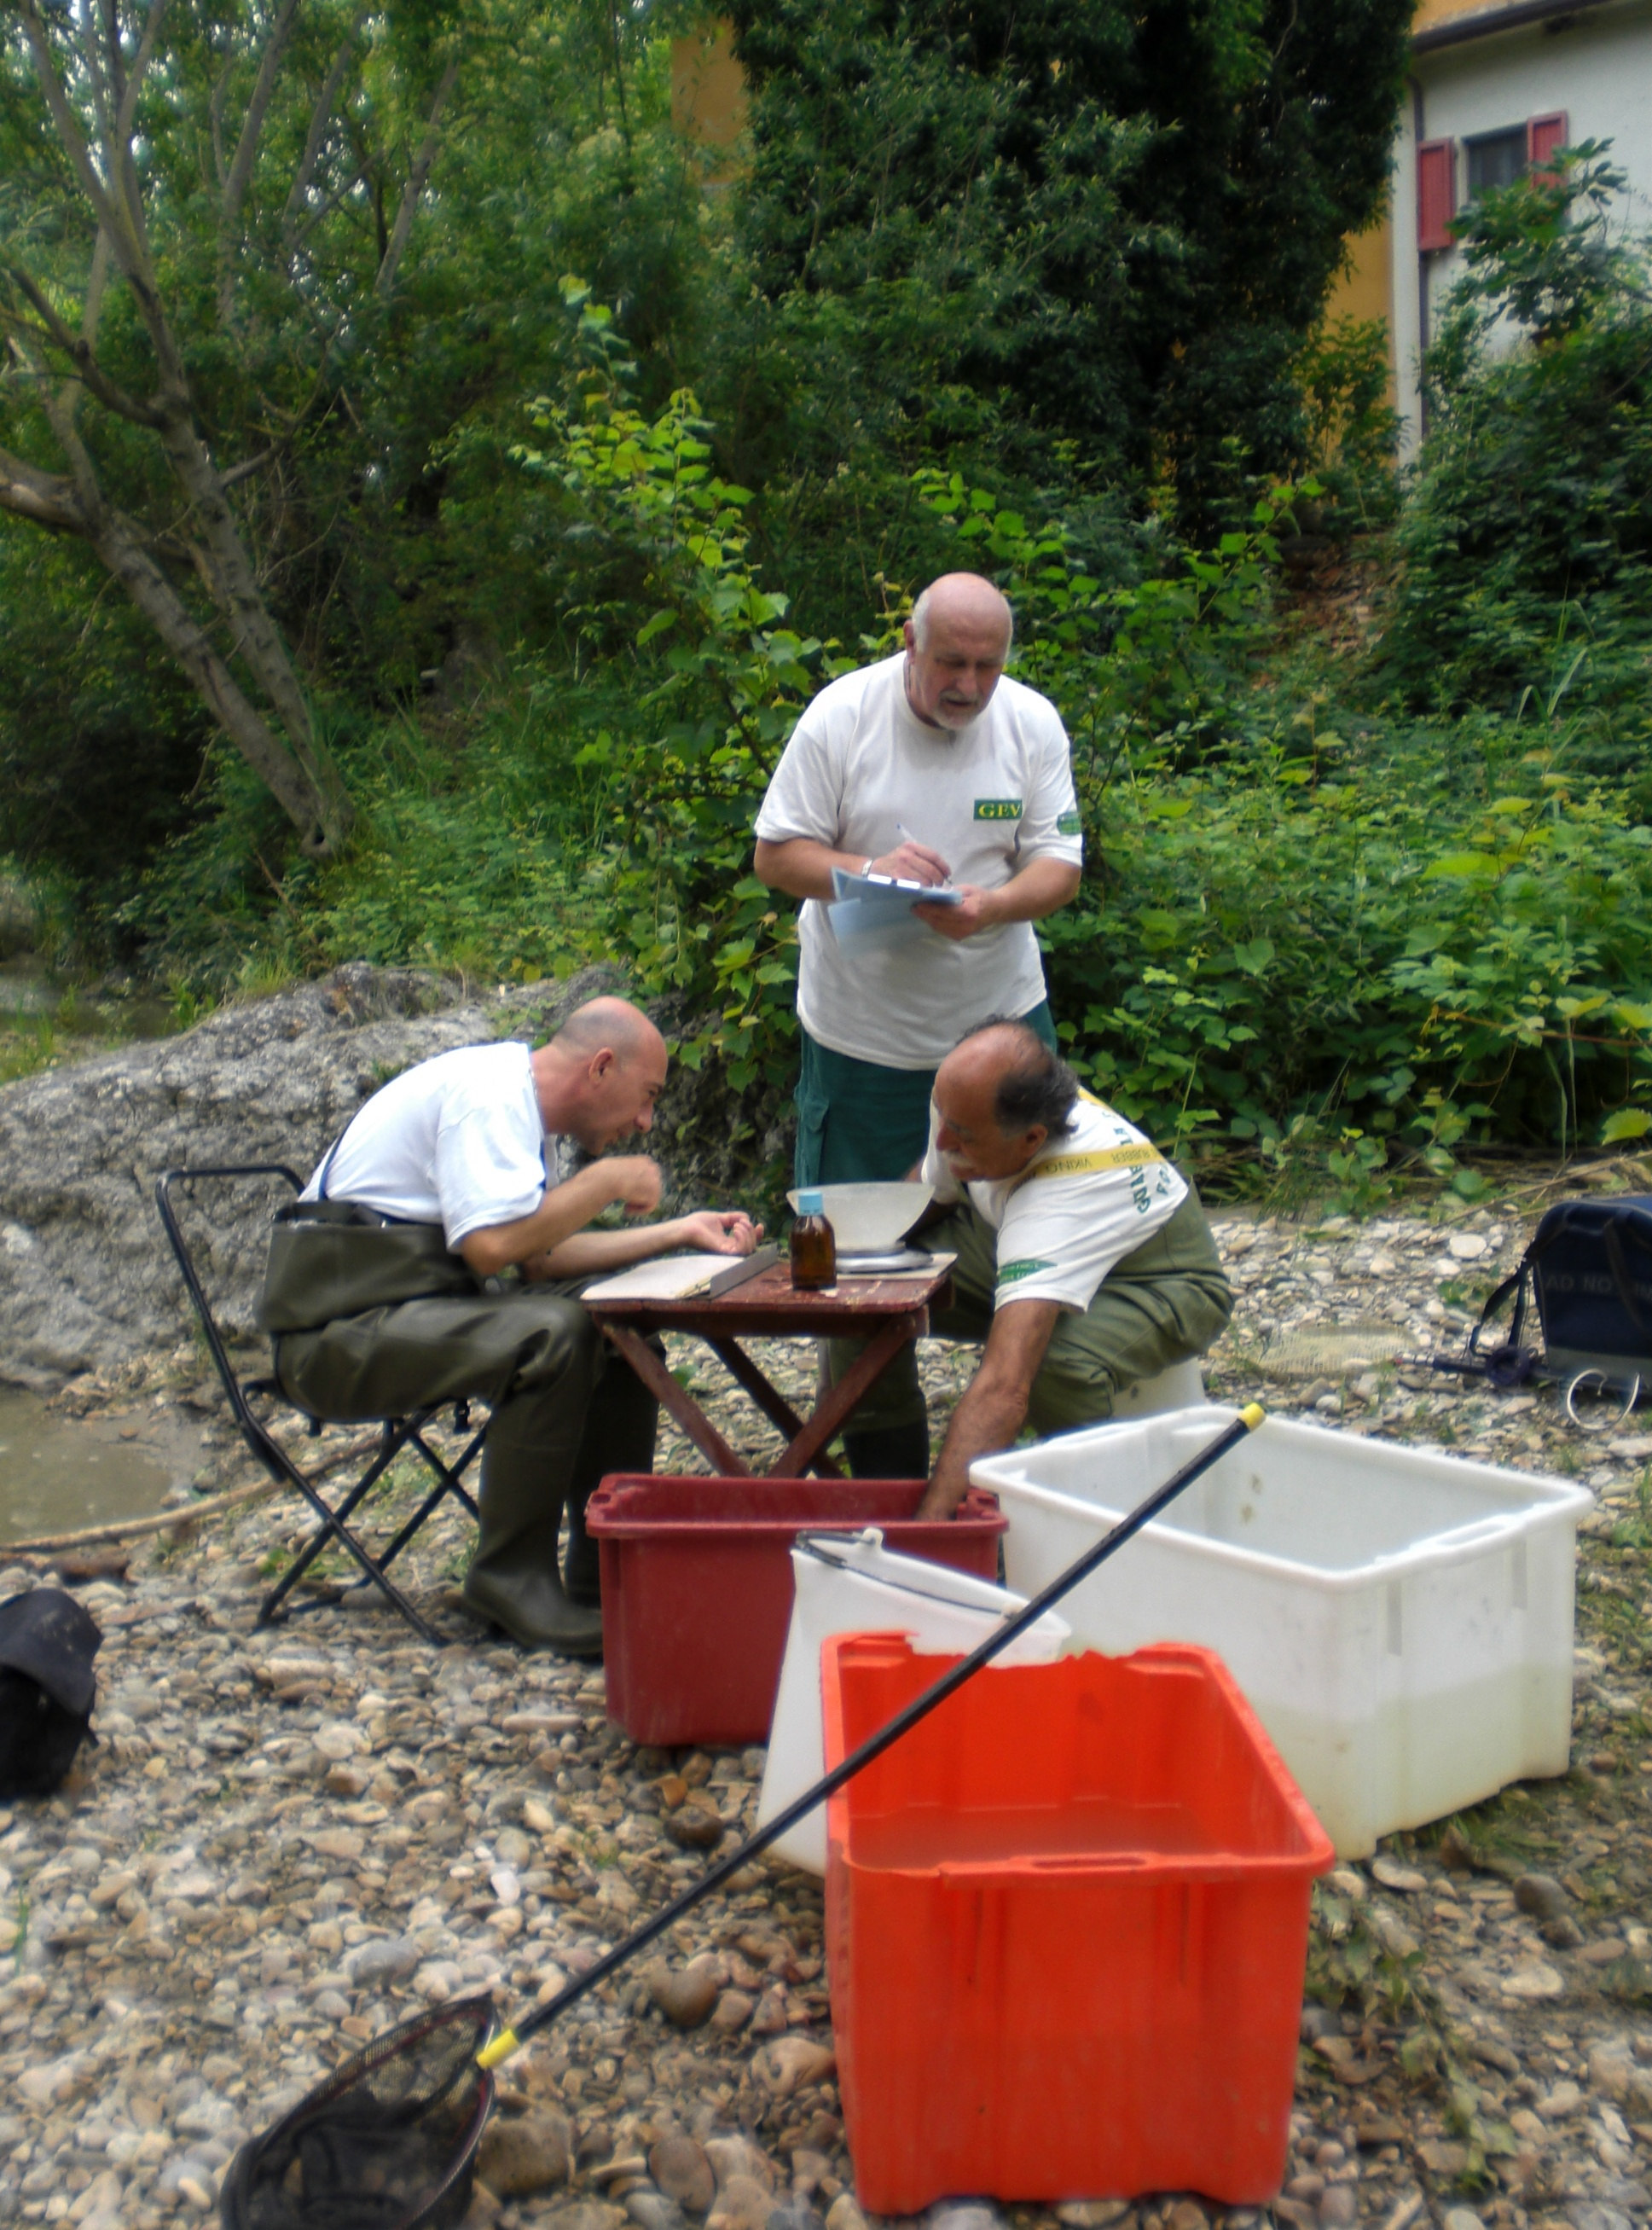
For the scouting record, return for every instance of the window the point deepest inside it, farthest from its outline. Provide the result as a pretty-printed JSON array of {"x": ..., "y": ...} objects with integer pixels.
[{"x": 1495, "y": 158}]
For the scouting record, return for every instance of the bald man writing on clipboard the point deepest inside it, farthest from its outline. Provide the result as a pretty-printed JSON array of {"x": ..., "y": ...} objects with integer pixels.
[{"x": 939, "y": 742}]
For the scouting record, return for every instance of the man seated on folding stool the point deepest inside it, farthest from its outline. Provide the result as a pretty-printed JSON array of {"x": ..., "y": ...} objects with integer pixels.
[
  {"x": 459, "y": 1145},
  {"x": 1084, "y": 1260}
]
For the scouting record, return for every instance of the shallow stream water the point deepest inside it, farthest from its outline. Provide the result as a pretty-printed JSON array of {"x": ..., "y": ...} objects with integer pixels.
[{"x": 60, "y": 1473}]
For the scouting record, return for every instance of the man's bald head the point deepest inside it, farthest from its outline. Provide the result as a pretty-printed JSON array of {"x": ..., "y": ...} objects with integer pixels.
[
  {"x": 598, "y": 1079},
  {"x": 957, "y": 641},
  {"x": 615, "y": 1023},
  {"x": 964, "y": 600}
]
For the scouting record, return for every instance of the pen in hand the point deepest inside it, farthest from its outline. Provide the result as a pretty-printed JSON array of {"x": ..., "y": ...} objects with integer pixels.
[{"x": 904, "y": 835}]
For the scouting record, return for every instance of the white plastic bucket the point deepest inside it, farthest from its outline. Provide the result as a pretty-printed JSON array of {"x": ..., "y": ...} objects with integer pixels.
[
  {"x": 1181, "y": 1387},
  {"x": 851, "y": 1584},
  {"x": 1400, "y": 1619}
]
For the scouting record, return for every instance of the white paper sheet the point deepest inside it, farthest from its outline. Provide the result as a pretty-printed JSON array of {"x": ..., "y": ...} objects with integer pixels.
[{"x": 670, "y": 1278}]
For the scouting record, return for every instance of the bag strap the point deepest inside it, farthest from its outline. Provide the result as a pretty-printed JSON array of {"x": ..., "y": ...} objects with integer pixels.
[
  {"x": 1518, "y": 1284},
  {"x": 1619, "y": 1266},
  {"x": 331, "y": 1157}
]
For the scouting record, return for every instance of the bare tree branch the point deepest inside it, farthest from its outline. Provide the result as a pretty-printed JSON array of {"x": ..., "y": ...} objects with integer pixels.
[
  {"x": 241, "y": 171},
  {"x": 402, "y": 230},
  {"x": 97, "y": 279},
  {"x": 315, "y": 139},
  {"x": 77, "y": 506},
  {"x": 126, "y": 116},
  {"x": 121, "y": 163},
  {"x": 45, "y": 499},
  {"x": 120, "y": 546},
  {"x": 236, "y": 588},
  {"x": 215, "y": 101},
  {"x": 297, "y": 772},
  {"x": 64, "y": 122},
  {"x": 99, "y": 27},
  {"x": 88, "y": 371},
  {"x": 248, "y": 465},
  {"x": 120, "y": 215}
]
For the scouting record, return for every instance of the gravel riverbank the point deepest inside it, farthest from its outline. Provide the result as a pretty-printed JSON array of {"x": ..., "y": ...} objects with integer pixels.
[{"x": 286, "y": 1840}]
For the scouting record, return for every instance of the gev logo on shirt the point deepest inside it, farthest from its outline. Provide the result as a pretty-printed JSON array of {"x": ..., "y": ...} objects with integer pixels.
[{"x": 998, "y": 809}]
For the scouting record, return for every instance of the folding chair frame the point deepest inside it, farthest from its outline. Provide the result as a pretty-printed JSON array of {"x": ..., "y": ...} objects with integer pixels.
[{"x": 396, "y": 1433}]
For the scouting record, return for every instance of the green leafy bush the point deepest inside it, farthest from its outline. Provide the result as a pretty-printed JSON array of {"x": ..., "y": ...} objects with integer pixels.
[
  {"x": 1085, "y": 243},
  {"x": 1358, "y": 945}
]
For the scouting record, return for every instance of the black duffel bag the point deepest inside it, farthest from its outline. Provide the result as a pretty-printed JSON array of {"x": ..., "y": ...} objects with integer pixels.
[
  {"x": 1589, "y": 1270},
  {"x": 48, "y": 1642}
]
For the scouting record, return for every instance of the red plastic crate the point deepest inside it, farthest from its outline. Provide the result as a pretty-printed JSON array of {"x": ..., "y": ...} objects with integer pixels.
[
  {"x": 1066, "y": 1929},
  {"x": 697, "y": 1586}
]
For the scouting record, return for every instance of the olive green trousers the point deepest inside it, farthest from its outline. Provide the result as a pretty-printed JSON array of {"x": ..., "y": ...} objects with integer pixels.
[
  {"x": 1164, "y": 1303},
  {"x": 566, "y": 1409}
]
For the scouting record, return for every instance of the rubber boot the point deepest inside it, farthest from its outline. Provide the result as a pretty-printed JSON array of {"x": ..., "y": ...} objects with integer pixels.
[
  {"x": 513, "y": 1580},
  {"x": 890, "y": 1452},
  {"x": 619, "y": 1436},
  {"x": 582, "y": 1567}
]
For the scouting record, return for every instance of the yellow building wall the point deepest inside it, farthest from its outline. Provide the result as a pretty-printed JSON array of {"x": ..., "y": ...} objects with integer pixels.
[
  {"x": 707, "y": 88},
  {"x": 1365, "y": 289},
  {"x": 1430, "y": 12}
]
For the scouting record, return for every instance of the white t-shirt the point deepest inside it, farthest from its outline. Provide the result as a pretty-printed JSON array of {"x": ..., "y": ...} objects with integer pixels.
[
  {"x": 1088, "y": 1201},
  {"x": 988, "y": 798},
  {"x": 456, "y": 1141}
]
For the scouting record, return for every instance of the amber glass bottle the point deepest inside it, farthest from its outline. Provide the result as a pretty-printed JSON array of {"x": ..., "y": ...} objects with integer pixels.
[{"x": 814, "y": 1251}]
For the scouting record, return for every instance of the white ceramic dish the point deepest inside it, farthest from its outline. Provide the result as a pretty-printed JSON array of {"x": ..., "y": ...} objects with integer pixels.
[{"x": 870, "y": 1219}]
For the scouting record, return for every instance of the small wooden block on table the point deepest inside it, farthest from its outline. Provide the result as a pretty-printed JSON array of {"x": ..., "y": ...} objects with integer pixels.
[{"x": 887, "y": 1312}]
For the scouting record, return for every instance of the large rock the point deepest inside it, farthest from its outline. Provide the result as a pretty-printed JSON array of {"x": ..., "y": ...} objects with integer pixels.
[{"x": 86, "y": 1276}]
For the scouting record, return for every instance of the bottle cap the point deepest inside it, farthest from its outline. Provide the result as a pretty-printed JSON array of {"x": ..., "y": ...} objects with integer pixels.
[{"x": 811, "y": 1202}]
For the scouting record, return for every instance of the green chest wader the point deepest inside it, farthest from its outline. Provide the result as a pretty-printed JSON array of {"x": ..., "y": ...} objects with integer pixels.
[{"x": 334, "y": 1258}]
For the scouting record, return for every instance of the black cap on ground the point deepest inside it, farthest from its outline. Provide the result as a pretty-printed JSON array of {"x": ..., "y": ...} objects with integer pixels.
[{"x": 53, "y": 1639}]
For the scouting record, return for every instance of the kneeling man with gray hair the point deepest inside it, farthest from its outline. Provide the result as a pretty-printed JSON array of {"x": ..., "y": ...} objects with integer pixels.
[{"x": 1084, "y": 1260}]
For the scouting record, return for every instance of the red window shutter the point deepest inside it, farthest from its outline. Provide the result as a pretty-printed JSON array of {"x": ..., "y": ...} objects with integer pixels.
[
  {"x": 1436, "y": 192},
  {"x": 1543, "y": 135}
]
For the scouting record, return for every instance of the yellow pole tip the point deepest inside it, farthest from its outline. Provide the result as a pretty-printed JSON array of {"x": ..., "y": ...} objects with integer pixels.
[
  {"x": 1251, "y": 1415},
  {"x": 500, "y": 2047}
]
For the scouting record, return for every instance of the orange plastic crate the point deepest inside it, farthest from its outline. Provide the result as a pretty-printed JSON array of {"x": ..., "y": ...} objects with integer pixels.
[{"x": 1067, "y": 1928}]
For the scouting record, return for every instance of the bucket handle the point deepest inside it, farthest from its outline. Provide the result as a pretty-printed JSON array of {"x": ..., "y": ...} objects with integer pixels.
[{"x": 829, "y": 1548}]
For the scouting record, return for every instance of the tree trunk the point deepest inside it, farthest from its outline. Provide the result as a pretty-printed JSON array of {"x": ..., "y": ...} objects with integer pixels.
[
  {"x": 229, "y": 575},
  {"x": 291, "y": 784}
]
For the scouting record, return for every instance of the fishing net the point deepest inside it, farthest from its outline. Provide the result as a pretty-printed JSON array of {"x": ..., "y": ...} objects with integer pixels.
[
  {"x": 1332, "y": 1351},
  {"x": 387, "y": 2142}
]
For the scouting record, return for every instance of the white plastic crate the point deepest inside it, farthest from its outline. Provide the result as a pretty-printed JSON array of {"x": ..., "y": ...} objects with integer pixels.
[{"x": 1400, "y": 1619}]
